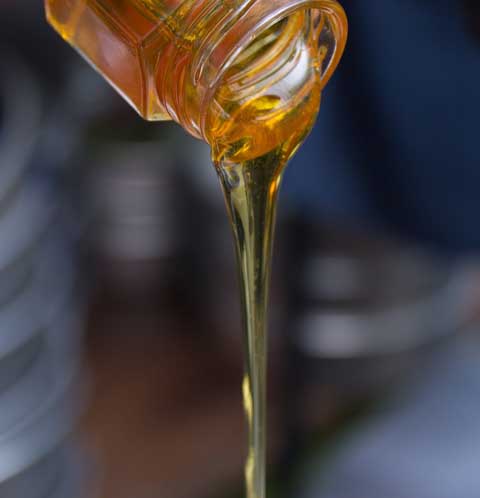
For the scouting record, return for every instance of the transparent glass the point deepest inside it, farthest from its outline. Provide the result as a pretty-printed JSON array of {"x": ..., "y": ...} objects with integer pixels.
[
  {"x": 247, "y": 77},
  {"x": 167, "y": 57}
]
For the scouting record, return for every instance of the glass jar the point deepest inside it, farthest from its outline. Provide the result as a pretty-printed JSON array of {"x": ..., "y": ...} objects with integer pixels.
[{"x": 168, "y": 58}]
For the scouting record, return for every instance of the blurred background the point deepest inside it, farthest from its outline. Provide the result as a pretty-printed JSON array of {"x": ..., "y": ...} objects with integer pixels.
[{"x": 120, "y": 338}]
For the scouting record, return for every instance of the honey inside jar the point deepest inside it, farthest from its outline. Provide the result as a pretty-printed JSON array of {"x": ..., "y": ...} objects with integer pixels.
[{"x": 246, "y": 76}]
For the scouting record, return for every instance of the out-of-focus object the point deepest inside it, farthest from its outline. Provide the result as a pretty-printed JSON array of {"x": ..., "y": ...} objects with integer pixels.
[
  {"x": 34, "y": 444},
  {"x": 72, "y": 483},
  {"x": 472, "y": 14},
  {"x": 19, "y": 340},
  {"x": 425, "y": 443},
  {"x": 20, "y": 114},
  {"x": 367, "y": 311},
  {"x": 135, "y": 205},
  {"x": 133, "y": 200},
  {"x": 40, "y": 314},
  {"x": 400, "y": 152},
  {"x": 25, "y": 216}
]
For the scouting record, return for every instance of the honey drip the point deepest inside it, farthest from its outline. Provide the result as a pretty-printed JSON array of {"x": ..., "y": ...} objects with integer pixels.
[
  {"x": 250, "y": 154},
  {"x": 261, "y": 111}
]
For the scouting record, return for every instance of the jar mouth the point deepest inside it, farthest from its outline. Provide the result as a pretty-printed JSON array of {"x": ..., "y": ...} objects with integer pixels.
[
  {"x": 253, "y": 71},
  {"x": 272, "y": 43},
  {"x": 269, "y": 95},
  {"x": 211, "y": 68}
]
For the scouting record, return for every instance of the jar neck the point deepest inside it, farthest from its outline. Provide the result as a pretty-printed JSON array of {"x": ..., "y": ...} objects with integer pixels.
[{"x": 215, "y": 34}]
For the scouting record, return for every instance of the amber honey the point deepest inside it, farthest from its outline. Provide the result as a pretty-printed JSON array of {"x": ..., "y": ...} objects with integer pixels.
[{"x": 248, "y": 87}]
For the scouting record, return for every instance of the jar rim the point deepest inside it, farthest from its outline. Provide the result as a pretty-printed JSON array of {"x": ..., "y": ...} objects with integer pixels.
[{"x": 211, "y": 65}]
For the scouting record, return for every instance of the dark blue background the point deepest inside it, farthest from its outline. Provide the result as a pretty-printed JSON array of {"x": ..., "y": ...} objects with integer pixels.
[{"x": 397, "y": 142}]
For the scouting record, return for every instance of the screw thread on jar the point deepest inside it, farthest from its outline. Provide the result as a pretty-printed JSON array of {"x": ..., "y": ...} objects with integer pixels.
[
  {"x": 168, "y": 57},
  {"x": 189, "y": 75}
]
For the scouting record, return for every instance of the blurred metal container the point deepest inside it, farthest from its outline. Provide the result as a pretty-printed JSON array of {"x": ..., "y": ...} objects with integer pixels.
[
  {"x": 366, "y": 314},
  {"x": 29, "y": 459},
  {"x": 20, "y": 113},
  {"x": 40, "y": 317},
  {"x": 133, "y": 196},
  {"x": 38, "y": 480},
  {"x": 368, "y": 310},
  {"x": 23, "y": 226},
  {"x": 24, "y": 214},
  {"x": 37, "y": 382},
  {"x": 38, "y": 414},
  {"x": 135, "y": 210},
  {"x": 72, "y": 481},
  {"x": 24, "y": 319}
]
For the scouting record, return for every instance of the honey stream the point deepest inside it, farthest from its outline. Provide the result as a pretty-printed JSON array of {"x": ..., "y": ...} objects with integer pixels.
[{"x": 263, "y": 109}]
